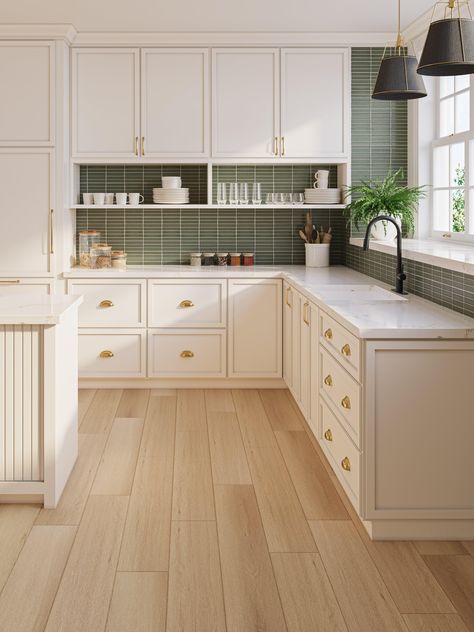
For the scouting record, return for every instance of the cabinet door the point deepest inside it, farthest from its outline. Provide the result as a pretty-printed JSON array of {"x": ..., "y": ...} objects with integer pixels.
[
  {"x": 105, "y": 102},
  {"x": 296, "y": 304},
  {"x": 305, "y": 355},
  {"x": 245, "y": 102},
  {"x": 255, "y": 328},
  {"x": 175, "y": 101},
  {"x": 27, "y": 103},
  {"x": 287, "y": 335},
  {"x": 26, "y": 194},
  {"x": 315, "y": 102}
]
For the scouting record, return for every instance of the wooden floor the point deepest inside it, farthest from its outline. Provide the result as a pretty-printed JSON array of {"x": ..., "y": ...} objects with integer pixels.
[{"x": 212, "y": 511}]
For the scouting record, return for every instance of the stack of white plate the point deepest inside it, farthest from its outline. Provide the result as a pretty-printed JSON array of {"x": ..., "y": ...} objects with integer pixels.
[
  {"x": 322, "y": 196},
  {"x": 171, "y": 196}
]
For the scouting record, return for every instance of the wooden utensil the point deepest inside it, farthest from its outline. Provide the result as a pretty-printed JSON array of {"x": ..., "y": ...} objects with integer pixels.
[
  {"x": 303, "y": 236},
  {"x": 327, "y": 237}
]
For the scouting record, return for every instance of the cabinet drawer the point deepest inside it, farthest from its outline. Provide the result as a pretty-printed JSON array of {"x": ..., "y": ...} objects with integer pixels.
[
  {"x": 112, "y": 303},
  {"x": 121, "y": 353},
  {"x": 344, "y": 455},
  {"x": 186, "y": 353},
  {"x": 187, "y": 304},
  {"x": 344, "y": 345},
  {"x": 25, "y": 286},
  {"x": 342, "y": 391}
]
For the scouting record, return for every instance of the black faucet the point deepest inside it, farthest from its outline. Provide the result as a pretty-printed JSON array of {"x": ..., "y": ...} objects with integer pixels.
[{"x": 401, "y": 276}]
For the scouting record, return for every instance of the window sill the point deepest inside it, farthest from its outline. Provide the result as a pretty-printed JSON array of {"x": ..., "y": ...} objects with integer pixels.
[{"x": 451, "y": 256}]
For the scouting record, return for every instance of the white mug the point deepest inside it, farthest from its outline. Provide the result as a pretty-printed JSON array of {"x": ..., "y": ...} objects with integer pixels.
[
  {"x": 135, "y": 198},
  {"x": 109, "y": 198},
  {"x": 171, "y": 182},
  {"x": 321, "y": 179},
  {"x": 99, "y": 199},
  {"x": 88, "y": 198},
  {"x": 121, "y": 198}
]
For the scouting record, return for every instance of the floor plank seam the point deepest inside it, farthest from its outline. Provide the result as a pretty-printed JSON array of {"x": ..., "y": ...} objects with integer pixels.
[{"x": 171, "y": 509}]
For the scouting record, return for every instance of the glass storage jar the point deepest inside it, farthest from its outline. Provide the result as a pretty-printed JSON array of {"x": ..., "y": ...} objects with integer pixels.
[
  {"x": 209, "y": 258},
  {"x": 101, "y": 256},
  {"x": 119, "y": 259},
  {"x": 195, "y": 258},
  {"x": 235, "y": 258},
  {"x": 222, "y": 258},
  {"x": 248, "y": 259},
  {"x": 87, "y": 240}
]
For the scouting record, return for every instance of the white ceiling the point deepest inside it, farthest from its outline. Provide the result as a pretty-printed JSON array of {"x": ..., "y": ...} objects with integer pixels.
[{"x": 376, "y": 16}]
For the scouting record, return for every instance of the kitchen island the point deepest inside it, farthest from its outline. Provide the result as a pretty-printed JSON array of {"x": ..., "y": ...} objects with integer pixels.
[{"x": 38, "y": 396}]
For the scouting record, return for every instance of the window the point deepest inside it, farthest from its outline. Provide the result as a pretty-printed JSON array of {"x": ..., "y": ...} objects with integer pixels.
[{"x": 452, "y": 153}]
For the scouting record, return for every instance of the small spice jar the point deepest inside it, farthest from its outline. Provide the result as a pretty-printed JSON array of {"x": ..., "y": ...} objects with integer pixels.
[
  {"x": 248, "y": 258},
  {"x": 101, "y": 256},
  {"x": 119, "y": 259},
  {"x": 222, "y": 258},
  {"x": 209, "y": 258},
  {"x": 195, "y": 258},
  {"x": 87, "y": 240},
  {"x": 235, "y": 258}
]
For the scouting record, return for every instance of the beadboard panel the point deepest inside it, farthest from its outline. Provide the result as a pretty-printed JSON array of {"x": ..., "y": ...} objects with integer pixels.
[{"x": 20, "y": 401}]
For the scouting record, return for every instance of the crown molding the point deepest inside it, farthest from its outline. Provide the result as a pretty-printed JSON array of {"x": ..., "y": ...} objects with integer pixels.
[{"x": 65, "y": 32}]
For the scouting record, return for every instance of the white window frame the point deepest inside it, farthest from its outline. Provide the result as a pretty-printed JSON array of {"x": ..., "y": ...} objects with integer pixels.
[{"x": 461, "y": 137}]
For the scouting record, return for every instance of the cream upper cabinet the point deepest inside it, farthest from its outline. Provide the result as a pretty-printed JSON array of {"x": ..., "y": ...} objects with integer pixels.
[
  {"x": 315, "y": 98},
  {"x": 105, "y": 102},
  {"x": 27, "y": 103},
  {"x": 26, "y": 193},
  {"x": 175, "y": 102},
  {"x": 245, "y": 102}
]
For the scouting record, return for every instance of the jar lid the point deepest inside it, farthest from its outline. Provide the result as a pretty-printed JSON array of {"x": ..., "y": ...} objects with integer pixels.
[
  {"x": 102, "y": 246},
  {"x": 118, "y": 253},
  {"x": 222, "y": 254},
  {"x": 209, "y": 254},
  {"x": 235, "y": 254},
  {"x": 248, "y": 254},
  {"x": 195, "y": 254},
  {"x": 89, "y": 232}
]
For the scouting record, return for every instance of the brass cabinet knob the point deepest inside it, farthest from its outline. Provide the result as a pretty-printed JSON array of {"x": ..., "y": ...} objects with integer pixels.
[
  {"x": 328, "y": 435},
  {"x": 346, "y": 403},
  {"x": 346, "y": 464},
  {"x": 186, "y": 303},
  {"x": 328, "y": 334},
  {"x": 106, "y": 354},
  {"x": 328, "y": 380},
  {"x": 346, "y": 350},
  {"x": 105, "y": 304},
  {"x": 187, "y": 354}
]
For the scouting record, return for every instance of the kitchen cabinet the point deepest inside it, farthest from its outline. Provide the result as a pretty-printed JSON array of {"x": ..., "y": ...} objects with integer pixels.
[
  {"x": 296, "y": 304},
  {"x": 26, "y": 199},
  {"x": 112, "y": 353},
  {"x": 26, "y": 286},
  {"x": 105, "y": 102},
  {"x": 315, "y": 99},
  {"x": 245, "y": 102},
  {"x": 27, "y": 75},
  {"x": 175, "y": 102},
  {"x": 255, "y": 328}
]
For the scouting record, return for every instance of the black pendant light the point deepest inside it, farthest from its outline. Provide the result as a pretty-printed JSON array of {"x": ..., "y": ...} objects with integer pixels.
[
  {"x": 397, "y": 79},
  {"x": 449, "y": 45}
]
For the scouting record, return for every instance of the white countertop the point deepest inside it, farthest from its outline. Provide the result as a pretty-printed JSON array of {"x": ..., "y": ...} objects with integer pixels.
[
  {"x": 410, "y": 318},
  {"x": 34, "y": 309}
]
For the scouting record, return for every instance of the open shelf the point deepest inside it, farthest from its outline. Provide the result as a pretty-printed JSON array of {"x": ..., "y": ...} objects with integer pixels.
[{"x": 201, "y": 206}]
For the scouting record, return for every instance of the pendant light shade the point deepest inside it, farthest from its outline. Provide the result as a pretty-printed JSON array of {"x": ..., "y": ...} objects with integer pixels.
[
  {"x": 449, "y": 48},
  {"x": 398, "y": 80}
]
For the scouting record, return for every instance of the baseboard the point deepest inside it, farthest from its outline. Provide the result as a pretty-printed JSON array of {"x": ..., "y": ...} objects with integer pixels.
[
  {"x": 421, "y": 529},
  {"x": 246, "y": 383}
]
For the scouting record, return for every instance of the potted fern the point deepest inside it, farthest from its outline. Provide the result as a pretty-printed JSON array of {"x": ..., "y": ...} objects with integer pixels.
[{"x": 388, "y": 197}]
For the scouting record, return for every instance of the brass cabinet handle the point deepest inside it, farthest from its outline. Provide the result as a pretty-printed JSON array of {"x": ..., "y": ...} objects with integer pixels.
[
  {"x": 136, "y": 145},
  {"x": 106, "y": 354},
  {"x": 328, "y": 435},
  {"x": 346, "y": 464},
  {"x": 187, "y": 354},
  {"x": 328, "y": 380},
  {"x": 346, "y": 351},
  {"x": 282, "y": 146},
  {"x": 328, "y": 334},
  {"x": 9, "y": 281},
  {"x": 275, "y": 145},
  {"x": 305, "y": 313},
  {"x": 346, "y": 403},
  {"x": 186, "y": 303},
  {"x": 51, "y": 232},
  {"x": 106, "y": 304},
  {"x": 143, "y": 145},
  {"x": 288, "y": 290}
]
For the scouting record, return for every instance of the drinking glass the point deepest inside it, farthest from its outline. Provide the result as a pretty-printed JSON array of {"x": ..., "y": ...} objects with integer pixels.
[
  {"x": 281, "y": 198},
  {"x": 244, "y": 193},
  {"x": 270, "y": 198},
  {"x": 297, "y": 198},
  {"x": 234, "y": 193},
  {"x": 256, "y": 193},
  {"x": 221, "y": 193}
]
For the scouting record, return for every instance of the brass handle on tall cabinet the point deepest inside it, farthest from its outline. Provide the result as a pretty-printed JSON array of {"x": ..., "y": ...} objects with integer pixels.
[
  {"x": 136, "y": 145},
  {"x": 346, "y": 403},
  {"x": 106, "y": 304},
  {"x": 328, "y": 380},
  {"x": 186, "y": 303},
  {"x": 282, "y": 146},
  {"x": 275, "y": 145},
  {"x": 51, "y": 232},
  {"x": 106, "y": 354},
  {"x": 187, "y": 354},
  {"x": 328, "y": 435},
  {"x": 346, "y": 351},
  {"x": 328, "y": 334},
  {"x": 143, "y": 145},
  {"x": 346, "y": 464},
  {"x": 288, "y": 290},
  {"x": 305, "y": 313}
]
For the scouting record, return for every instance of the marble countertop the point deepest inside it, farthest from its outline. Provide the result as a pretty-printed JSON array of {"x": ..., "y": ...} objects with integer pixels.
[
  {"x": 34, "y": 309},
  {"x": 413, "y": 318}
]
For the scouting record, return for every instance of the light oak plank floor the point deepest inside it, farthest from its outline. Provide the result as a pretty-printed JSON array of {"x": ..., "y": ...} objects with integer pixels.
[{"x": 215, "y": 511}]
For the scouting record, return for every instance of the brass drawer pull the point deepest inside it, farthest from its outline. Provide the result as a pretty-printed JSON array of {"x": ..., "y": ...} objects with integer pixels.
[
  {"x": 9, "y": 281},
  {"x": 328, "y": 334},
  {"x": 328, "y": 380},
  {"x": 186, "y": 303},
  {"x": 187, "y": 354},
  {"x": 346, "y": 464},
  {"x": 328, "y": 435},
  {"x": 346, "y": 403},
  {"x": 106, "y": 303},
  {"x": 305, "y": 313},
  {"x": 106, "y": 354},
  {"x": 346, "y": 351}
]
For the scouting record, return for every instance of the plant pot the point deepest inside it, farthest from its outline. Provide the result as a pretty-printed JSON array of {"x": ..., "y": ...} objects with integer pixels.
[
  {"x": 385, "y": 231},
  {"x": 317, "y": 255}
]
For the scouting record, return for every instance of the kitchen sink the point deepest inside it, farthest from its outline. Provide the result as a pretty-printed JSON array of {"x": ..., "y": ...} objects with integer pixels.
[{"x": 359, "y": 293}]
